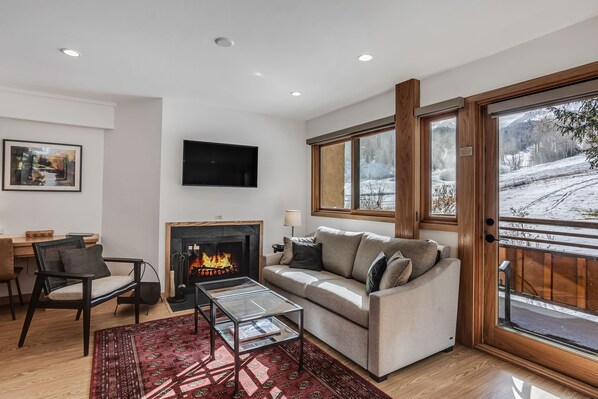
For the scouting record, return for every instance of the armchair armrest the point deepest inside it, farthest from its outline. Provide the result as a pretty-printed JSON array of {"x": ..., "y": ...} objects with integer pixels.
[
  {"x": 85, "y": 276},
  {"x": 272, "y": 259},
  {"x": 136, "y": 265},
  {"x": 415, "y": 320},
  {"x": 123, "y": 260}
]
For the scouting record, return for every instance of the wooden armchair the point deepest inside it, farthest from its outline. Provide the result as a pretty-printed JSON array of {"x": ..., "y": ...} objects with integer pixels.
[
  {"x": 9, "y": 272},
  {"x": 83, "y": 296}
]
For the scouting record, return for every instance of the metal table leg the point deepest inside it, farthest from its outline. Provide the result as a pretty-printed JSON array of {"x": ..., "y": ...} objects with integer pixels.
[
  {"x": 237, "y": 358},
  {"x": 212, "y": 329},
  {"x": 196, "y": 311},
  {"x": 301, "y": 340}
]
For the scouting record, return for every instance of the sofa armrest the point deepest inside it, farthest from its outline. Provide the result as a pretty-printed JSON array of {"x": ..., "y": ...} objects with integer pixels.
[
  {"x": 272, "y": 259},
  {"x": 415, "y": 320}
]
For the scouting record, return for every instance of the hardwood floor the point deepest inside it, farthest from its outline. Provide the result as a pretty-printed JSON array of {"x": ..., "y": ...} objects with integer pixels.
[{"x": 51, "y": 364}]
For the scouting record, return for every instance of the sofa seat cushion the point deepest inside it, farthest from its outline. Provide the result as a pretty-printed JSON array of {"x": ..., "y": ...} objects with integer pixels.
[
  {"x": 338, "y": 249},
  {"x": 422, "y": 254},
  {"x": 99, "y": 287},
  {"x": 345, "y": 297},
  {"x": 295, "y": 280}
]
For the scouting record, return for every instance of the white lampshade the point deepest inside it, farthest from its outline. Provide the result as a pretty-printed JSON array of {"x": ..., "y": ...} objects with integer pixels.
[{"x": 292, "y": 218}]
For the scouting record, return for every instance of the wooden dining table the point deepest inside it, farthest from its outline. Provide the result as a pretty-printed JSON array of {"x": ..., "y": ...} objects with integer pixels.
[{"x": 23, "y": 248}]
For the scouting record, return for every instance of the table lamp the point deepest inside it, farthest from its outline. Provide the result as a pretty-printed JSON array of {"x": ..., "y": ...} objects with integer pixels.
[{"x": 292, "y": 218}]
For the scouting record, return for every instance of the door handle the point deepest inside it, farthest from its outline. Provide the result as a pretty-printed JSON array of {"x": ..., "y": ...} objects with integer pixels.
[{"x": 490, "y": 238}]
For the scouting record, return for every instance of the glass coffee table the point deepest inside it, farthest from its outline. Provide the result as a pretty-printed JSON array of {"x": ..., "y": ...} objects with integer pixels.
[{"x": 249, "y": 317}]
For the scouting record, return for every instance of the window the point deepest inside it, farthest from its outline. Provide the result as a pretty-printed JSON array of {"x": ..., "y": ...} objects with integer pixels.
[
  {"x": 335, "y": 176},
  {"x": 439, "y": 171},
  {"x": 356, "y": 176},
  {"x": 376, "y": 175}
]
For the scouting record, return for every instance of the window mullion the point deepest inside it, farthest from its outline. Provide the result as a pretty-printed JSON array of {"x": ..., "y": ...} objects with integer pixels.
[{"x": 355, "y": 191}]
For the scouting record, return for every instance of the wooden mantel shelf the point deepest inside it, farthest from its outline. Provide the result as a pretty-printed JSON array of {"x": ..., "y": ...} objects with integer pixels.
[{"x": 23, "y": 248}]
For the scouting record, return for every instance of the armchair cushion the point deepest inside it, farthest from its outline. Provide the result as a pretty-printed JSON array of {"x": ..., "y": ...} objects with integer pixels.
[
  {"x": 99, "y": 287},
  {"x": 84, "y": 260}
]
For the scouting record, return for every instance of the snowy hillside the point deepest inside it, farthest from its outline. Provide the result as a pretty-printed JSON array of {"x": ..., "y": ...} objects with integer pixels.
[{"x": 566, "y": 189}]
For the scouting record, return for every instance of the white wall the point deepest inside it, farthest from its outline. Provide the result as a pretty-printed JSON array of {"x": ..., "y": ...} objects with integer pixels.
[
  {"x": 61, "y": 211},
  {"x": 36, "y": 116},
  {"x": 567, "y": 48},
  {"x": 560, "y": 50},
  {"x": 131, "y": 200},
  {"x": 281, "y": 172},
  {"x": 52, "y": 108}
]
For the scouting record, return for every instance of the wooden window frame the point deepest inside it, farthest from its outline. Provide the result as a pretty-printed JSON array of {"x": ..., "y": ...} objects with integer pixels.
[
  {"x": 354, "y": 212},
  {"x": 429, "y": 221}
]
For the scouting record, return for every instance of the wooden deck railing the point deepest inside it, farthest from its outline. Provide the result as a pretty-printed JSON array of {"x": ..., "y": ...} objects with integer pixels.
[{"x": 550, "y": 262}]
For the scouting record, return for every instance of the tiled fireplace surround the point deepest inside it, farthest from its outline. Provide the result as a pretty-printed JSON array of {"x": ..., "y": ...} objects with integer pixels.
[{"x": 213, "y": 250}]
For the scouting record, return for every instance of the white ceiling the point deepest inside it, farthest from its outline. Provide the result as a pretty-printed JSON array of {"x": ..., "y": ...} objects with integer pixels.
[{"x": 165, "y": 48}]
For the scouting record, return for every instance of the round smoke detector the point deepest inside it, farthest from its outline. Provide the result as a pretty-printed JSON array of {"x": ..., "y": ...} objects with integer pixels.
[{"x": 224, "y": 42}]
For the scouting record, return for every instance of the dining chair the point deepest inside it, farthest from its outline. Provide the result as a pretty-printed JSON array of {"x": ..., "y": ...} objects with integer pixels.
[{"x": 8, "y": 272}]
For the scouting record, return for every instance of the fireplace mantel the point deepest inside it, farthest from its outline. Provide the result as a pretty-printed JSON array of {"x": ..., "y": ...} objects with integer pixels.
[{"x": 171, "y": 226}]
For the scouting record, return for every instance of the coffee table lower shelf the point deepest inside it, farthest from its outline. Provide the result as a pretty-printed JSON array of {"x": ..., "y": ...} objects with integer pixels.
[{"x": 225, "y": 330}]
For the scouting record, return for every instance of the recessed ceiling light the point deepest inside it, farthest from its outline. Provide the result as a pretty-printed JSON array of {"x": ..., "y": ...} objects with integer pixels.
[
  {"x": 258, "y": 74},
  {"x": 295, "y": 93},
  {"x": 70, "y": 52},
  {"x": 224, "y": 42},
  {"x": 365, "y": 57}
]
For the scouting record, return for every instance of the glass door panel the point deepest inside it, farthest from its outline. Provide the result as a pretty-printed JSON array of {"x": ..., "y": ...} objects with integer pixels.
[
  {"x": 541, "y": 236},
  {"x": 548, "y": 224}
]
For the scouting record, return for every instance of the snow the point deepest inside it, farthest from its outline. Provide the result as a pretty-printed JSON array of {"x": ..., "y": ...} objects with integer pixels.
[
  {"x": 566, "y": 189},
  {"x": 561, "y": 190}
]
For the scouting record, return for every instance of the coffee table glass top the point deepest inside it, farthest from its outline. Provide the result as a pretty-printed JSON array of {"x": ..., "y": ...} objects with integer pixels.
[
  {"x": 234, "y": 286},
  {"x": 244, "y": 299}
]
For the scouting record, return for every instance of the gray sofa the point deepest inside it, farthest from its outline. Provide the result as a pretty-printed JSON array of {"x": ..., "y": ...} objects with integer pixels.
[{"x": 388, "y": 329}]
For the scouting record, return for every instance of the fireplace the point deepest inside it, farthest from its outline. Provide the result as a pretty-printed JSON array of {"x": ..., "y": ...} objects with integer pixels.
[
  {"x": 208, "y": 251},
  {"x": 210, "y": 259}
]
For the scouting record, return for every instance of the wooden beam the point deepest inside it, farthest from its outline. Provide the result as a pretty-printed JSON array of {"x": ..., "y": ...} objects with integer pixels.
[{"x": 407, "y": 159}]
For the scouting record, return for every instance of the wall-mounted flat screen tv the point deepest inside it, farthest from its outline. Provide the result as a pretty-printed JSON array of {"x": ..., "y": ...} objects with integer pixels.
[{"x": 217, "y": 164}]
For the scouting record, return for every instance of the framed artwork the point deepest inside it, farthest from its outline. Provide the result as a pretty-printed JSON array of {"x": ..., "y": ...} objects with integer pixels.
[{"x": 36, "y": 166}]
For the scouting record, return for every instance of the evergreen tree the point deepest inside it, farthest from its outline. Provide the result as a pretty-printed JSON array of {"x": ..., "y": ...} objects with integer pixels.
[{"x": 582, "y": 125}]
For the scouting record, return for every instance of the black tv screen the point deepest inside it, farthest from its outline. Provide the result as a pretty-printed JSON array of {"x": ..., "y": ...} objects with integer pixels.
[{"x": 217, "y": 164}]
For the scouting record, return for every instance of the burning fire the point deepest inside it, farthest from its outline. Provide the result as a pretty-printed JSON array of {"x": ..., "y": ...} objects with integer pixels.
[{"x": 218, "y": 261}]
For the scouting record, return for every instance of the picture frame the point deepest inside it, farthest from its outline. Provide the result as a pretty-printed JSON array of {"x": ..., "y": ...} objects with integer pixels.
[{"x": 41, "y": 166}]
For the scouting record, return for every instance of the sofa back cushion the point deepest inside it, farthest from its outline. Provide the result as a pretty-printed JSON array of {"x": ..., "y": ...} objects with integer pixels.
[
  {"x": 422, "y": 254},
  {"x": 339, "y": 249}
]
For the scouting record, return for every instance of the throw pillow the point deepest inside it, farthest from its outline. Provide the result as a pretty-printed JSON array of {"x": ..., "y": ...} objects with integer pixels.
[
  {"x": 287, "y": 254},
  {"x": 307, "y": 255},
  {"x": 375, "y": 273},
  {"x": 84, "y": 261},
  {"x": 398, "y": 271}
]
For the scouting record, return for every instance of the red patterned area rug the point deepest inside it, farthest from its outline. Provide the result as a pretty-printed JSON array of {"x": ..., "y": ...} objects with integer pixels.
[{"x": 164, "y": 359}]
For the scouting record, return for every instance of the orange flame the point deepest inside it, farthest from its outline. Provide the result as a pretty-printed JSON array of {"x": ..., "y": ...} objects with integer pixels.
[{"x": 218, "y": 261}]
